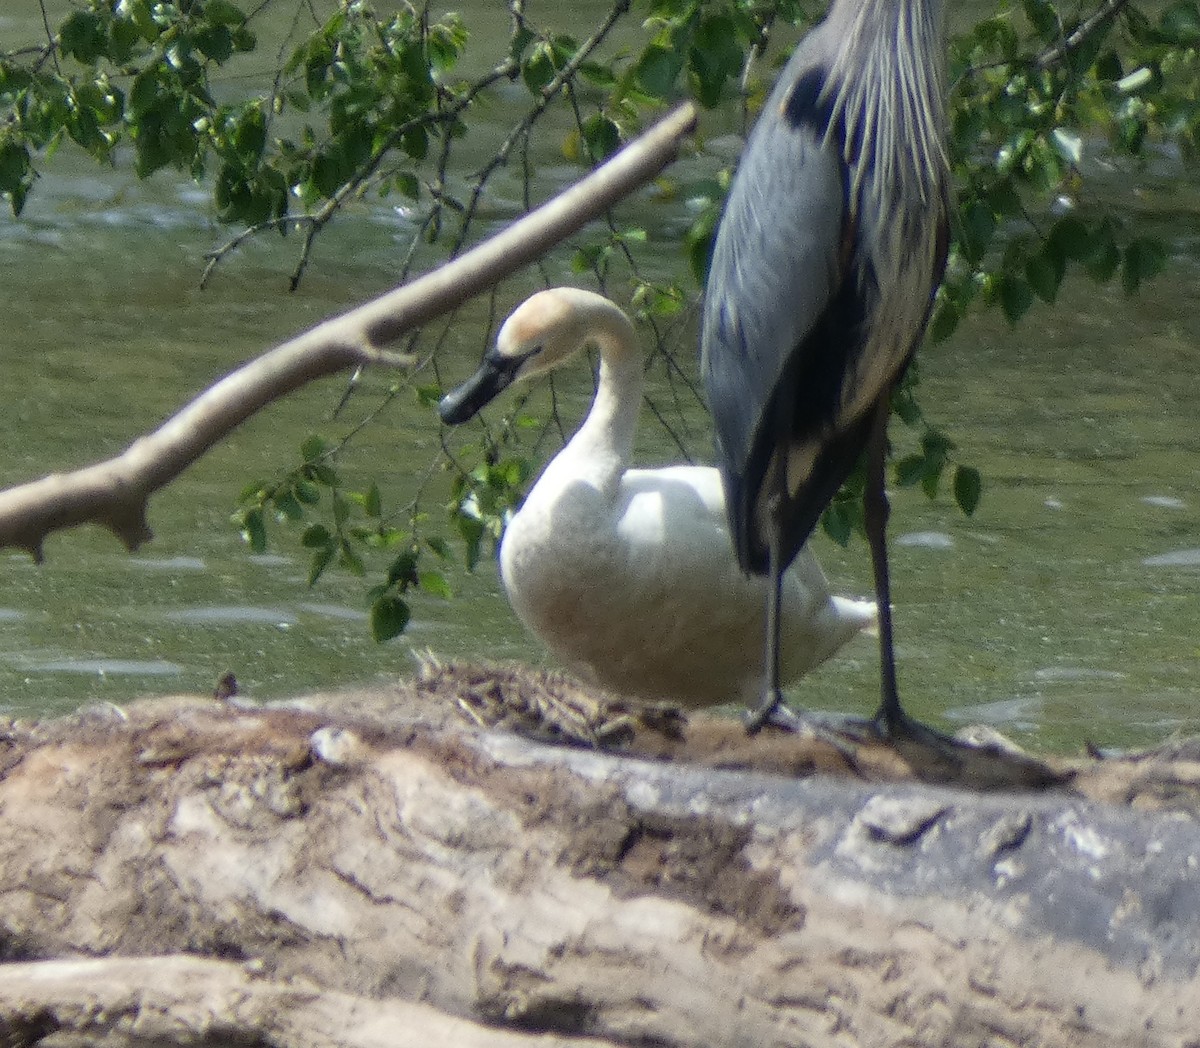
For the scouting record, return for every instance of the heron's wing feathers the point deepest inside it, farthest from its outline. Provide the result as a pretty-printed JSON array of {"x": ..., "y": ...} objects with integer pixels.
[
  {"x": 778, "y": 261},
  {"x": 783, "y": 310}
]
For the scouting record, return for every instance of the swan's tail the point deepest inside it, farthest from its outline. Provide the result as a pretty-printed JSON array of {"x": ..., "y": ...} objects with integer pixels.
[{"x": 859, "y": 615}]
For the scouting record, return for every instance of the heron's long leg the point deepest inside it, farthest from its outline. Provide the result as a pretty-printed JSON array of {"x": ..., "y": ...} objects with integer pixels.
[
  {"x": 770, "y": 702},
  {"x": 875, "y": 511}
]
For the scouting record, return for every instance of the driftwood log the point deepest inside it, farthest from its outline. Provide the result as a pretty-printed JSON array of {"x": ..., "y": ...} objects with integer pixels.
[{"x": 404, "y": 866}]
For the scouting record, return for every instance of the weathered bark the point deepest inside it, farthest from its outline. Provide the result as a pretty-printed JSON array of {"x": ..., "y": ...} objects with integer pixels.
[{"x": 369, "y": 868}]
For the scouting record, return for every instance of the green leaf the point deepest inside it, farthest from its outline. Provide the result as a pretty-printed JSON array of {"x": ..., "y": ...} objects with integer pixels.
[
  {"x": 349, "y": 559},
  {"x": 471, "y": 531},
  {"x": 538, "y": 69},
  {"x": 905, "y": 406},
  {"x": 250, "y": 134},
  {"x": 521, "y": 39},
  {"x": 1045, "y": 271},
  {"x": 389, "y": 617},
  {"x": 935, "y": 443},
  {"x": 434, "y": 583},
  {"x": 1070, "y": 238},
  {"x": 322, "y": 473},
  {"x": 214, "y": 42},
  {"x": 288, "y": 506},
  {"x": 602, "y": 136},
  {"x": 15, "y": 169},
  {"x": 1004, "y": 198},
  {"x": 945, "y": 320},
  {"x": 144, "y": 94},
  {"x": 1015, "y": 296},
  {"x": 1042, "y": 17},
  {"x": 255, "y": 492},
  {"x": 1144, "y": 259},
  {"x": 1108, "y": 66},
  {"x": 657, "y": 71},
  {"x": 315, "y": 536},
  {"x": 428, "y": 396},
  {"x": 910, "y": 469},
  {"x": 932, "y": 477},
  {"x": 978, "y": 226},
  {"x": 373, "y": 501},
  {"x": 968, "y": 488},
  {"x": 714, "y": 58},
  {"x": 598, "y": 74},
  {"x": 341, "y": 510},
  {"x": 254, "y": 529},
  {"x": 1181, "y": 23},
  {"x": 840, "y": 520},
  {"x": 403, "y": 570},
  {"x": 312, "y": 447},
  {"x": 223, "y": 12},
  {"x": 83, "y": 37},
  {"x": 306, "y": 492},
  {"x": 406, "y": 183},
  {"x": 321, "y": 559}
]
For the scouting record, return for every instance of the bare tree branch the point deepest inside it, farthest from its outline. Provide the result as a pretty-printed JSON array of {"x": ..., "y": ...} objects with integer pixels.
[{"x": 115, "y": 492}]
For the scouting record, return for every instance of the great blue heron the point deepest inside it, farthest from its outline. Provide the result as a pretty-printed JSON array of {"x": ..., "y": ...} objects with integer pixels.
[
  {"x": 625, "y": 574},
  {"x": 831, "y": 245}
]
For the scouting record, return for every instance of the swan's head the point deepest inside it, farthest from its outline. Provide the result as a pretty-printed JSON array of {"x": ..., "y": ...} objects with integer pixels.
[{"x": 545, "y": 330}]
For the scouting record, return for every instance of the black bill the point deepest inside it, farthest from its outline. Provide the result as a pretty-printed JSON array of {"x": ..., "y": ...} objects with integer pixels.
[{"x": 494, "y": 376}]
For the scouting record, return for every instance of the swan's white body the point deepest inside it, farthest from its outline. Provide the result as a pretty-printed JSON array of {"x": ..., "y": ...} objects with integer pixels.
[{"x": 628, "y": 575}]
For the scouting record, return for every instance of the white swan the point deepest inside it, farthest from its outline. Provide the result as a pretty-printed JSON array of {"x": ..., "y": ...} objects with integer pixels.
[{"x": 628, "y": 575}]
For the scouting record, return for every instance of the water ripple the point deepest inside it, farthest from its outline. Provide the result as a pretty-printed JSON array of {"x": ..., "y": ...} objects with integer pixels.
[
  {"x": 221, "y": 615},
  {"x": 110, "y": 667},
  {"x": 1179, "y": 558}
]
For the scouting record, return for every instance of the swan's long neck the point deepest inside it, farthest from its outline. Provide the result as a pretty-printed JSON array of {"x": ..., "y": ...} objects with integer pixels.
[{"x": 602, "y": 447}]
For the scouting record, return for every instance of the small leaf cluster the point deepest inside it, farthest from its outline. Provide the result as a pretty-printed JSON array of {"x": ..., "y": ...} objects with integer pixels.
[
  {"x": 353, "y": 530},
  {"x": 361, "y": 86},
  {"x": 135, "y": 69},
  {"x": 926, "y": 466},
  {"x": 373, "y": 83},
  {"x": 484, "y": 497},
  {"x": 1042, "y": 93}
]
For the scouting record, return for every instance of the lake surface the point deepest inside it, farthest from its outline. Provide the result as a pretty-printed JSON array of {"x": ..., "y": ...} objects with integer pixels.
[{"x": 1067, "y": 609}]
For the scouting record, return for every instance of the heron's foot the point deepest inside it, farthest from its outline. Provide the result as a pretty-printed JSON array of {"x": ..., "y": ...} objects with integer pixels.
[
  {"x": 773, "y": 711},
  {"x": 907, "y": 734},
  {"x": 835, "y": 728},
  {"x": 777, "y": 714},
  {"x": 898, "y": 726}
]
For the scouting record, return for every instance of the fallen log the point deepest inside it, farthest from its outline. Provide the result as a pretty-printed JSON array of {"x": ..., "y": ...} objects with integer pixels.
[{"x": 401, "y": 866}]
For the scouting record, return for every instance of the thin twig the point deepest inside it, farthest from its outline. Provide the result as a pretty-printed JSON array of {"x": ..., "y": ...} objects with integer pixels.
[
  {"x": 314, "y": 223},
  {"x": 51, "y": 47},
  {"x": 556, "y": 85},
  {"x": 1081, "y": 33}
]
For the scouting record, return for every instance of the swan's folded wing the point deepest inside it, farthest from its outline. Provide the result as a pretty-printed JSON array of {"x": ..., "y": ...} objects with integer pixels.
[{"x": 684, "y": 489}]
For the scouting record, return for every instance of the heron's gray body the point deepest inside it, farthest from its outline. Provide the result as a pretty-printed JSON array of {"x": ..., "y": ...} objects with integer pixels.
[{"x": 831, "y": 245}]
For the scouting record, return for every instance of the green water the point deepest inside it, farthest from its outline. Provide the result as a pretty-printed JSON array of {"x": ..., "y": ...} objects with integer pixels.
[{"x": 1067, "y": 609}]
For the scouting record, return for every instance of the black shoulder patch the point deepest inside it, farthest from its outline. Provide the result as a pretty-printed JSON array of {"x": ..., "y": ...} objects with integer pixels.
[{"x": 809, "y": 103}]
